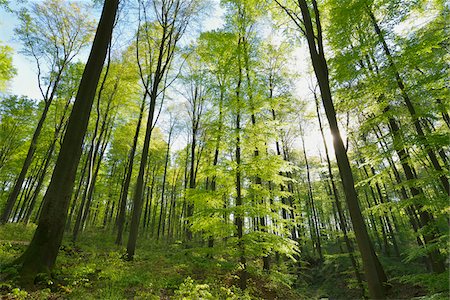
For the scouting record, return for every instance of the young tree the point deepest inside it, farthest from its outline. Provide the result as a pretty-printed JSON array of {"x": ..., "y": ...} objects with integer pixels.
[
  {"x": 53, "y": 33},
  {"x": 160, "y": 39}
]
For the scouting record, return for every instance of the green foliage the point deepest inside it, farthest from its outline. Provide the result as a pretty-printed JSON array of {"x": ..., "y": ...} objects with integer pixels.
[
  {"x": 16, "y": 232},
  {"x": 434, "y": 283},
  {"x": 241, "y": 73},
  {"x": 7, "y": 71},
  {"x": 189, "y": 290},
  {"x": 17, "y": 117}
]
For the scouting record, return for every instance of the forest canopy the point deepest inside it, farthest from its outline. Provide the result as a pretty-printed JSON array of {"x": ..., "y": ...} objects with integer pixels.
[{"x": 233, "y": 149}]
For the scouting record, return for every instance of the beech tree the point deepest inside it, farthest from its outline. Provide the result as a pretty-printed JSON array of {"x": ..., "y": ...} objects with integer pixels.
[
  {"x": 171, "y": 20},
  {"x": 313, "y": 32},
  {"x": 278, "y": 155},
  {"x": 66, "y": 33},
  {"x": 41, "y": 254}
]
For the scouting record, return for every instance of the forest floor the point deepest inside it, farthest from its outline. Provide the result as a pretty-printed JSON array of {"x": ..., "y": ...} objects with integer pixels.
[{"x": 94, "y": 268}]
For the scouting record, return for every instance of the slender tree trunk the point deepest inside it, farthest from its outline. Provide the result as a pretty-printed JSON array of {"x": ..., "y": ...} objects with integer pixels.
[
  {"x": 22, "y": 198},
  {"x": 257, "y": 179},
  {"x": 162, "y": 214},
  {"x": 315, "y": 220},
  {"x": 375, "y": 275},
  {"x": 148, "y": 197},
  {"x": 126, "y": 184},
  {"x": 416, "y": 120},
  {"x": 79, "y": 215},
  {"x": 152, "y": 187},
  {"x": 77, "y": 194},
  {"x": 192, "y": 181},
  {"x": 239, "y": 215},
  {"x": 216, "y": 152},
  {"x": 12, "y": 198},
  {"x": 138, "y": 194},
  {"x": 91, "y": 188},
  {"x": 167, "y": 45},
  {"x": 172, "y": 206}
]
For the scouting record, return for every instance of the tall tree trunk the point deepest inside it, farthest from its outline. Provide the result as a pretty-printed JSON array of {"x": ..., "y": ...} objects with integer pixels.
[
  {"x": 138, "y": 194},
  {"x": 12, "y": 198},
  {"x": 315, "y": 220},
  {"x": 239, "y": 215},
  {"x": 375, "y": 275},
  {"x": 91, "y": 188},
  {"x": 192, "y": 179},
  {"x": 162, "y": 214},
  {"x": 77, "y": 193},
  {"x": 148, "y": 198},
  {"x": 40, "y": 256},
  {"x": 126, "y": 184},
  {"x": 416, "y": 120},
  {"x": 257, "y": 179},
  {"x": 79, "y": 215},
  {"x": 216, "y": 151},
  {"x": 171, "y": 219}
]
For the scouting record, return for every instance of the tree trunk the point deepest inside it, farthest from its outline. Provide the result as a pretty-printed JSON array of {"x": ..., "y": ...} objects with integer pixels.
[
  {"x": 77, "y": 194},
  {"x": 41, "y": 254},
  {"x": 375, "y": 275},
  {"x": 12, "y": 198},
  {"x": 162, "y": 213},
  {"x": 416, "y": 120},
  {"x": 126, "y": 185},
  {"x": 315, "y": 220},
  {"x": 239, "y": 215},
  {"x": 138, "y": 194}
]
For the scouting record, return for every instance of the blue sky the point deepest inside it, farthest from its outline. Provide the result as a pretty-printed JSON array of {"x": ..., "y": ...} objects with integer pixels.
[{"x": 25, "y": 82}]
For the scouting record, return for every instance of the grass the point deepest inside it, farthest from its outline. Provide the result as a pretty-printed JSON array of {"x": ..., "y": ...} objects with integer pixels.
[{"x": 94, "y": 268}]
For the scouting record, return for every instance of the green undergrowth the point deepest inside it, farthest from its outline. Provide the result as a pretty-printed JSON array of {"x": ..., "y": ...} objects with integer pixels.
[{"x": 94, "y": 268}]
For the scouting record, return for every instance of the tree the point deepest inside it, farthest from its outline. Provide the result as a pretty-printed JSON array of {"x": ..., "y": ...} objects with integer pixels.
[
  {"x": 374, "y": 272},
  {"x": 40, "y": 255},
  {"x": 66, "y": 33},
  {"x": 384, "y": 76},
  {"x": 172, "y": 18}
]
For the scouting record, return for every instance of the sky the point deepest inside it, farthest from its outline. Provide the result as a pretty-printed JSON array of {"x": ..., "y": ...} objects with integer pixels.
[{"x": 25, "y": 82}]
